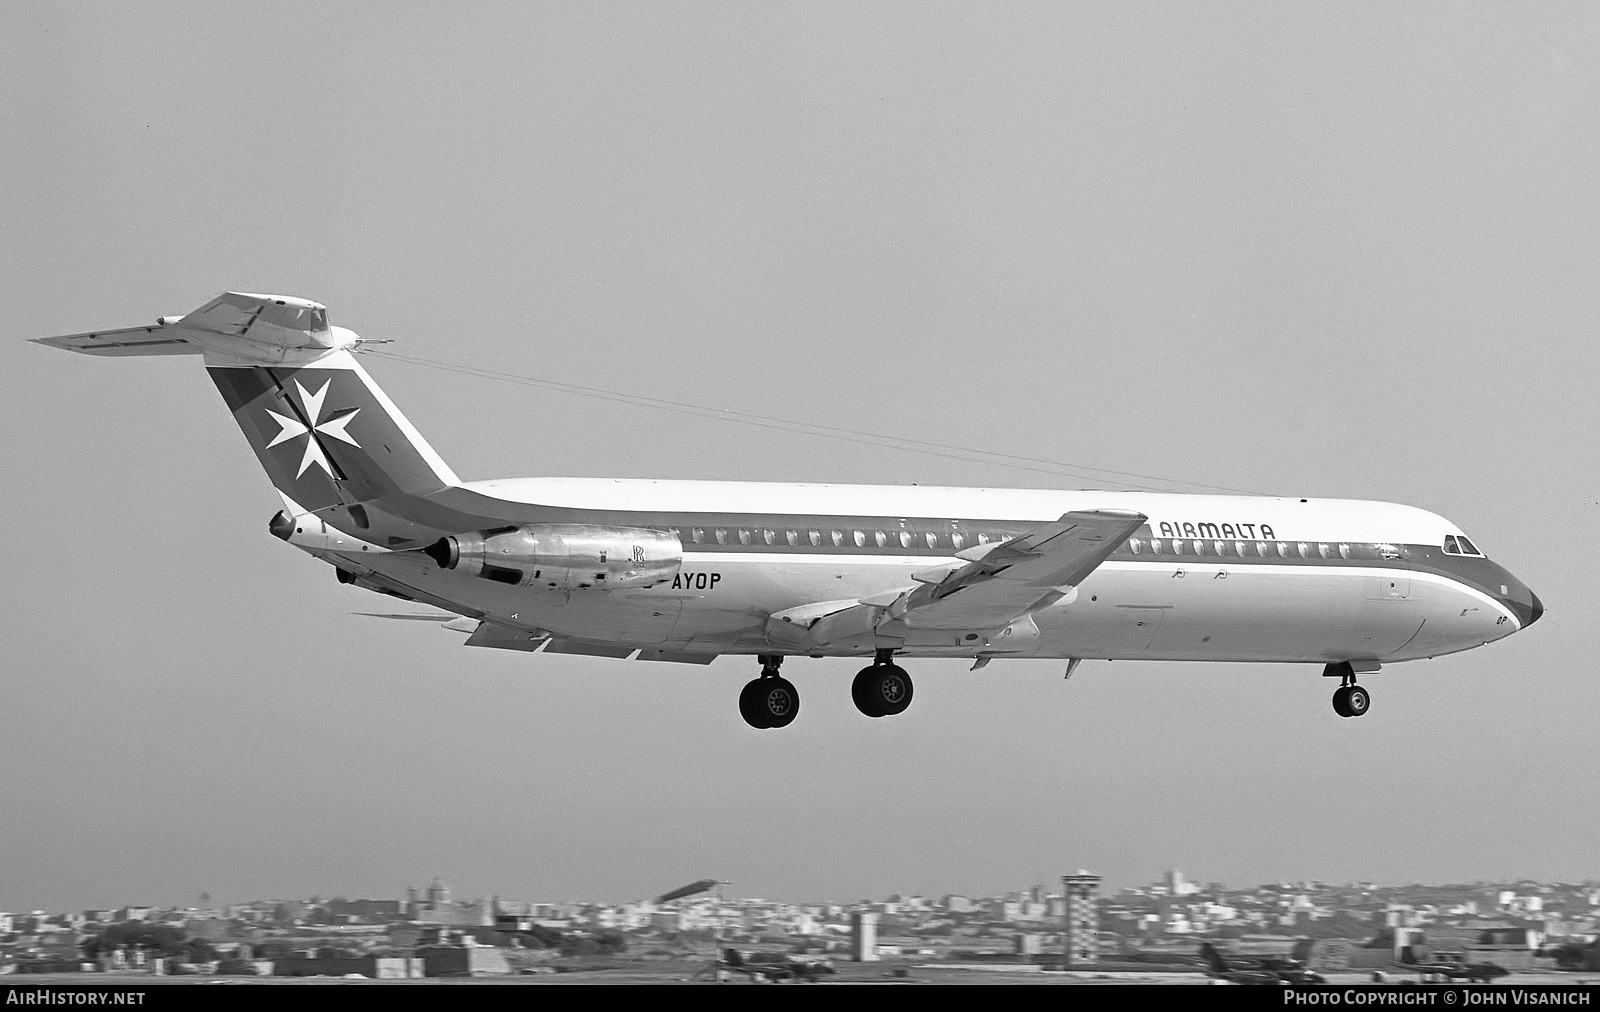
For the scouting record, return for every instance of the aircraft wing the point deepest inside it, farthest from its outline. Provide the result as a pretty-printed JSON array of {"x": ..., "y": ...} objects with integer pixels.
[
  {"x": 1009, "y": 579},
  {"x": 996, "y": 584}
]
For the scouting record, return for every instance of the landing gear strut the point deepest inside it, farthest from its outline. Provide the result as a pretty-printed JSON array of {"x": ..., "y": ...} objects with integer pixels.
[
  {"x": 882, "y": 690},
  {"x": 770, "y": 700},
  {"x": 1350, "y": 699}
]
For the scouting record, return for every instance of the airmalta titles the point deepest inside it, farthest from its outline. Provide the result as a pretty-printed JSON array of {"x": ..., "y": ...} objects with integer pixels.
[{"x": 1227, "y": 532}]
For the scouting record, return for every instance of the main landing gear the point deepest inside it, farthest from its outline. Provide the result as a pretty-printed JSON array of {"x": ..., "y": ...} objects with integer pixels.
[
  {"x": 881, "y": 690},
  {"x": 1350, "y": 699},
  {"x": 770, "y": 700},
  {"x": 884, "y": 689}
]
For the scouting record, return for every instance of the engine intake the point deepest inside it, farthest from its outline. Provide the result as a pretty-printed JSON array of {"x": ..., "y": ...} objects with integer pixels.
[{"x": 563, "y": 556}]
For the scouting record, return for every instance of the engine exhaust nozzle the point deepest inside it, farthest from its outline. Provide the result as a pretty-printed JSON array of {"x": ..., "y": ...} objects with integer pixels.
[
  {"x": 281, "y": 526},
  {"x": 446, "y": 552}
]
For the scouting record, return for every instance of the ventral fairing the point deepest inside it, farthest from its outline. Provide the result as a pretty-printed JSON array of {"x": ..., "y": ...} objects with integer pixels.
[{"x": 685, "y": 571}]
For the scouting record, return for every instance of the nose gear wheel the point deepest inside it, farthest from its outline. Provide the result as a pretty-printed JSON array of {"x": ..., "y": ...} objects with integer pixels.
[{"x": 1351, "y": 700}]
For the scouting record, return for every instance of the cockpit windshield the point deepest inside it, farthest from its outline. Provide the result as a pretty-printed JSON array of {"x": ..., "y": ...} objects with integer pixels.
[{"x": 1460, "y": 544}]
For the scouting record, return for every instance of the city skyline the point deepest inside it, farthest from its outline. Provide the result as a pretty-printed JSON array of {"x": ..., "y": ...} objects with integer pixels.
[{"x": 1049, "y": 886}]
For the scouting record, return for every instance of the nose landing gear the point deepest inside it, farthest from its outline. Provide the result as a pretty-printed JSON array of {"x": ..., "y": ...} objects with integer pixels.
[
  {"x": 882, "y": 690},
  {"x": 770, "y": 700},
  {"x": 1350, "y": 699}
]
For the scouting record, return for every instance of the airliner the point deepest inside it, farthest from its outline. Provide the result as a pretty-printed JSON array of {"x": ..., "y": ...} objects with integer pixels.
[{"x": 685, "y": 571}]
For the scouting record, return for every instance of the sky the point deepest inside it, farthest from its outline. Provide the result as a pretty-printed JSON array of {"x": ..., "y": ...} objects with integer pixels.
[{"x": 1321, "y": 251}]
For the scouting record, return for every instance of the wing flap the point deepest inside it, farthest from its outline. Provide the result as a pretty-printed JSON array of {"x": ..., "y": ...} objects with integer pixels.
[
  {"x": 500, "y": 637},
  {"x": 675, "y": 656}
]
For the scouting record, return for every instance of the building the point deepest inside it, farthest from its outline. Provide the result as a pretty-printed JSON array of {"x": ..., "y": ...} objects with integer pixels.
[
  {"x": 1177, "y": 885},
  {"x": 1080, "y": 934},
  {"x": 437, "y": 907},
  {"x": 957, "y": 904},
  {"x": 864, "y": 936}
]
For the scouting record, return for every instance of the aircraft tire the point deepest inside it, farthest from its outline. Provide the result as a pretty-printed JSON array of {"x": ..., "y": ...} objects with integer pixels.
[
  {"x": 1357, "y": 701},
  {"x": 750, "y": 707},
  {"x": 1340, "y": 706},
  {"x": 882, "y": 690},
  {"x": 780, "y": 701},
  {"x": 861, "y": 693}
]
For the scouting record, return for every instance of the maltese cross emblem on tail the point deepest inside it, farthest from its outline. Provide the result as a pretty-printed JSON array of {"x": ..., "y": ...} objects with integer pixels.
[{"x": 293, "y": 427}]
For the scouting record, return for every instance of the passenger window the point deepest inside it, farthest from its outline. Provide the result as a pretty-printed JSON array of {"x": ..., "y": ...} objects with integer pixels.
[
  {"x": 1135, "y": 545},
  {"x": 983, "y": 539},
  {"x": 722, "y": 535},
  {"x": 1199, "y": 548},
  {"x": 769, "y": 536},
  {"x": 1305, "y": 550},
  {"x": 1220, "y": 546},
  {"x": 838, "y": 538},
  {"x": 1322, "y": 550},
  {"x": 957, "y": 539},
  {"x": 905, "y": 539},
  {"x": 1238, "y": 549},
  {"x": 1155, "y": 546},
  {"x": 880, "y": 538},
  {"x": 933, "y": 540},
  {"x": 699, "y": 534},
  {"x": 1261, "y": 549},
  {"x": 815, "y": 537},
  {"x": 744, "y": 536},
  {"x": 792, "y": 537},
  {"x": 1283, "y": 550},
  {"x": 861, "y": 540},
  {"x": 1344, "y": 551}
]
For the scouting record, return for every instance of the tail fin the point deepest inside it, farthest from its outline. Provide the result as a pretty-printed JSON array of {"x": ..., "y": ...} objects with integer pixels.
[
  {"x": 330, "y": 440},
  {"x": 327, "y": 435}
]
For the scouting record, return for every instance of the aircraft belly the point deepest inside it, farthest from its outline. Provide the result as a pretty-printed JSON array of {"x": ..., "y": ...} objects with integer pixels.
[{"x": 1123, "y": 611}]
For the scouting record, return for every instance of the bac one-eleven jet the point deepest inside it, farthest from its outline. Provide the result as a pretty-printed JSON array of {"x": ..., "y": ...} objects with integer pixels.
[{"x": 687, "y": 570}]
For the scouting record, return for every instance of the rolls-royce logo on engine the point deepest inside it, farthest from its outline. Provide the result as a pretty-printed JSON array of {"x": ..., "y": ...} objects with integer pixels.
[{"x": 1225, "y": 532}]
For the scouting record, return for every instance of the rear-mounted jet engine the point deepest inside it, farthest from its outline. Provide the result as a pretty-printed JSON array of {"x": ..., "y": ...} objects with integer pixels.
[{"x": 563, "y": 556}]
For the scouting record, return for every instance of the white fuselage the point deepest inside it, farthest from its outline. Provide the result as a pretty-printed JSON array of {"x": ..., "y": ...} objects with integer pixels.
[{"x": 1272, "y": 579}]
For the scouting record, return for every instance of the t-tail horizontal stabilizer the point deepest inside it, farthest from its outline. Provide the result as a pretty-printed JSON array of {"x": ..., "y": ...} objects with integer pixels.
[{"x": 329, "y": 439}]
